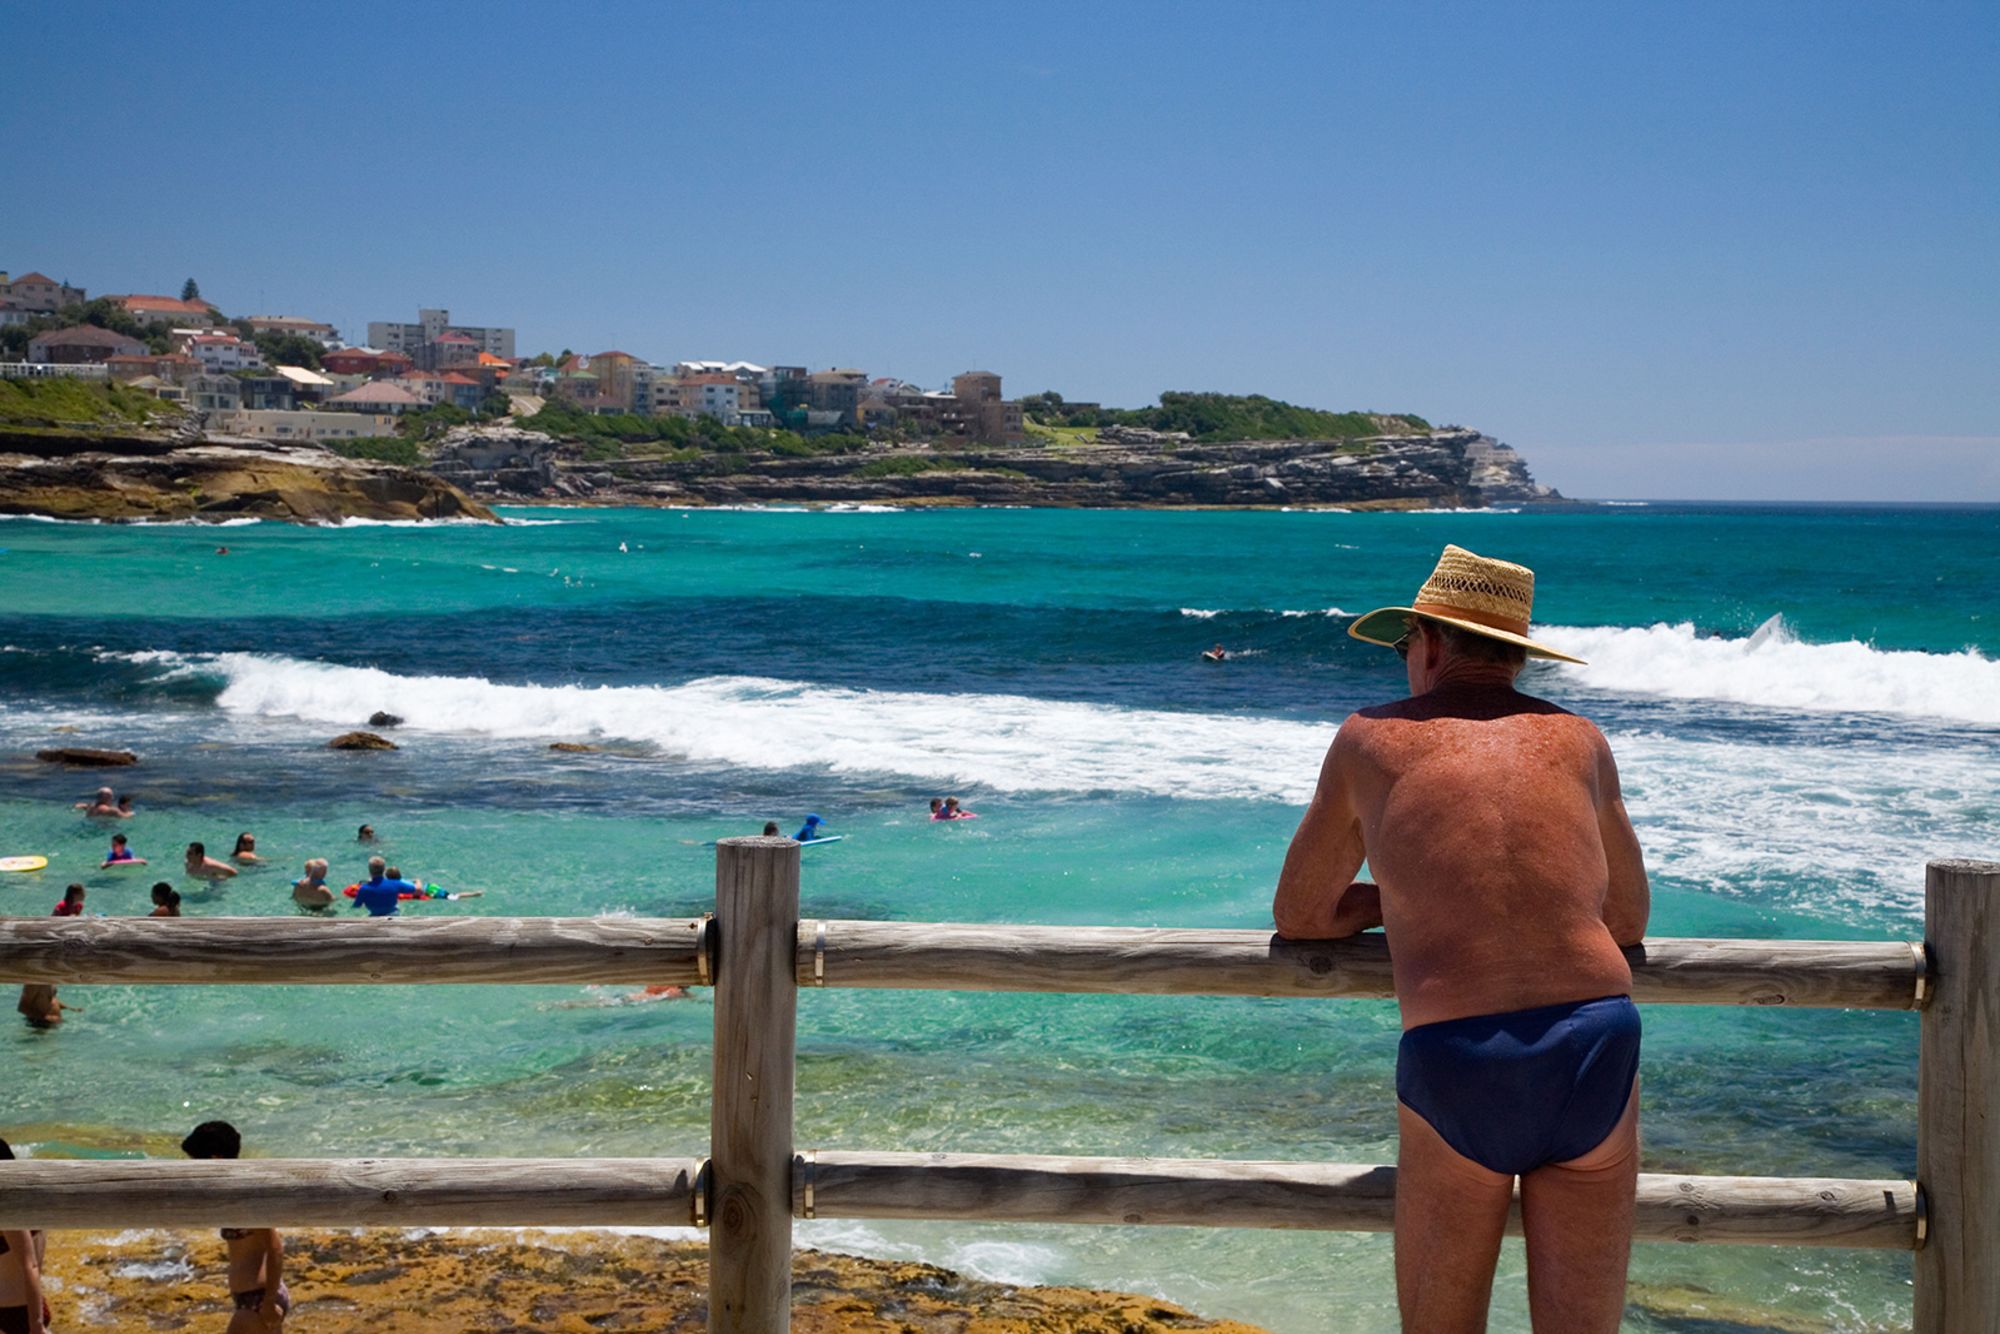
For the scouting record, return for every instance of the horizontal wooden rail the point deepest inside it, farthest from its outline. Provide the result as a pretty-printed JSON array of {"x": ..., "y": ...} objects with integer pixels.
[
  {"x": 1773, "y": 1211},
  {"x": 305, "y": 950},
  {"x": 371, "y": 1192},
  {"x": 954, "y": 956}
]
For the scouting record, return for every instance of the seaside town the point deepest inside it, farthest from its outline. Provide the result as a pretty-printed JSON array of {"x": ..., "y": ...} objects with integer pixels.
[{"x": 293, "y": 378}]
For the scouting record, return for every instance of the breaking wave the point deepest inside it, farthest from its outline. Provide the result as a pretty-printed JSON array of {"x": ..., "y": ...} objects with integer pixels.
[
  {"x": 1775, "y": 669},
  {"x": 1007, "y": 743}
]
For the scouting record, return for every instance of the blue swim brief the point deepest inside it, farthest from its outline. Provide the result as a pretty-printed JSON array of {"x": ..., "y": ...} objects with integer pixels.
[{"x": 1517, "y": 1091}]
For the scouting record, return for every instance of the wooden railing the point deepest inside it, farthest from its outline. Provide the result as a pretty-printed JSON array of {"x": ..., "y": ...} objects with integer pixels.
[{"x": 759, "y": 955}]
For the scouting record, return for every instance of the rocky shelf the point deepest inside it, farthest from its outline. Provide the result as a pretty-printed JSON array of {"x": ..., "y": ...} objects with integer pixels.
[{"x": 141, "y": 476}]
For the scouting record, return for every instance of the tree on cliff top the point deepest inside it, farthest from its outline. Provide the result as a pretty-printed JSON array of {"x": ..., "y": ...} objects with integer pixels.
[
  {"x": 190, "y": 290},
  {"x": 1256, "y": 417}
]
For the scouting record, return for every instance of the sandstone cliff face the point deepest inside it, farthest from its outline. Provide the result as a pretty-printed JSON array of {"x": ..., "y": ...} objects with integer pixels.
[
  {"x": 1442, "y": 469},
  {"x": 118, "y": 478}
]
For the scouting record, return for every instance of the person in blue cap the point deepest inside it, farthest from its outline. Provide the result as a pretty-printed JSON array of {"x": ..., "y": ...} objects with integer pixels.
[{"x": 810, "y": 830}]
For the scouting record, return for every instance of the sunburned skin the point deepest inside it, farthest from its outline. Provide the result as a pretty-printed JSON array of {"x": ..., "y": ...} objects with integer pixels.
[
  {"x": 1508, "y": 876},
  {"x": 1508, "y": 871}
]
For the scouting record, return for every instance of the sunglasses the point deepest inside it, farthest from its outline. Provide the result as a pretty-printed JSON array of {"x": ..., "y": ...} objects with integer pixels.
[{"x": 1402, "y": 646}]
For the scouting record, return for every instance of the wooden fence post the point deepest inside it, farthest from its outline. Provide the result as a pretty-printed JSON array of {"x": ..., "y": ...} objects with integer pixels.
[
  {"x": 750, "y": 1129},
  {"x": 1958, "y": 1103}
]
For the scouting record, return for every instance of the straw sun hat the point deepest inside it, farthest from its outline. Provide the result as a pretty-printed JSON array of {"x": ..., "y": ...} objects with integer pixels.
[{"x": 1488, "y": 597}]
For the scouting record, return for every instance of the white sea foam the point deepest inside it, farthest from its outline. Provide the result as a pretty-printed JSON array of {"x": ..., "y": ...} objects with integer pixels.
[
  {"x": 1202, "y": 613},
  {"x": 355, "y": 521},
  {"x": 1774, "y": 669},
  {"x": 1003, "y": 742}
]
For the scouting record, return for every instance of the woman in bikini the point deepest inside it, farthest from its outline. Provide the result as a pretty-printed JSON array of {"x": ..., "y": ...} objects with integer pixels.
[
  {"x": 256, "y": 1254},
  {"x": 246, "y": 848},
  {"x": 23, "y": 1309}
]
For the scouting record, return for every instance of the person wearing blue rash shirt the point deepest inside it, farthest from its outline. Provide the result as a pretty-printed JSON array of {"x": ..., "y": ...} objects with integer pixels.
[
  {"x": 380, "y": 895},
  {"x": 810, "y": 830}
]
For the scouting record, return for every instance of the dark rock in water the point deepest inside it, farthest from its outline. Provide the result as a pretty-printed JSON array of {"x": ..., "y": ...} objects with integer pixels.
[
  {"x": 360, "y": 741},
  {"x": 95, "y": 759},
  {"x": 572, "y": 747},
  {"x": 381, "y": 719}
]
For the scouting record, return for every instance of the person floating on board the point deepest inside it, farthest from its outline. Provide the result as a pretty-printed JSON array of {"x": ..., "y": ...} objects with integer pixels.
[
  {"x": 72, "y": 903},
  {"x": 937, "y": 808},
  {"x": 1216, "y": 654},
  {"x": 949, "y": 809},
  {"x": 809, "y": 831},
  {"x": 121, "y": 854},
  {"x": 1508, "y": 877}
]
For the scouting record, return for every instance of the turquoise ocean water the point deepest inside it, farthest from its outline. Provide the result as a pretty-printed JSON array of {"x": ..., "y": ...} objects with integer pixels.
[{"x": 1805, "y": 703}]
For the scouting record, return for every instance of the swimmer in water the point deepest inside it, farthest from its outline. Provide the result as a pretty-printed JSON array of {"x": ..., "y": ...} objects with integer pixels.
[
  {"x": 366, "y": 834},
  {"x": 166, "y": 901},
  {"x": 204, "y": 867},
  {"x": 121, "y": 854},
  {"x": 102, "y": 804},
  {"x": 245, "y": 849},
  {"x": 770, "y": 829},
  {"x": 311, "y": 890},
  {"x": 810, "y": 830}
]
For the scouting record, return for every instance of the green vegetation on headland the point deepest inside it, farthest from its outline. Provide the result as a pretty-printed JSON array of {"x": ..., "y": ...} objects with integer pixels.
[
  {"x": 630, "y": 435},
  {"x": 382, "y": 448},
  {"x": 1225, "y": 417},
  {"x": 66, "y": 403}
]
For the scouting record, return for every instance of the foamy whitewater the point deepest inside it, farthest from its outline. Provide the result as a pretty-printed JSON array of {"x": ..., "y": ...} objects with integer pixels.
[{"x": 1804, "y": 704}]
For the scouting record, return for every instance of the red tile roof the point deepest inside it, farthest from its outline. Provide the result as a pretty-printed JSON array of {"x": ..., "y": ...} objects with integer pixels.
[
  {"x": 85, "y": 335},
  {"x": 37, "y": 278},
  {"x": 455, "y": 378}
]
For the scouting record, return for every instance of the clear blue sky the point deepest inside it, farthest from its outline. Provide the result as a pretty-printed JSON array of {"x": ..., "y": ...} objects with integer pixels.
[{"x": 1681, "y": 249}]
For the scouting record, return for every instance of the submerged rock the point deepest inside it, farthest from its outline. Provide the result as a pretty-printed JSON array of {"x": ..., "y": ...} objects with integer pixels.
[
  {"x": 568, "y": 1283},
  {"x": 361, "y": 741},
  {"x": 381, "y": 719},
  {"x": 572, "y": 747},
  {"x": 86, "y": 757}
]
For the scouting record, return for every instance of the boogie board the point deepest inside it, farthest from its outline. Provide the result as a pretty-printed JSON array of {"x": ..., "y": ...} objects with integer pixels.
[
  {"x": 830, "y": 838},
  {"x": 23, "y": 863},
  {"x": 954, "y": 819}
]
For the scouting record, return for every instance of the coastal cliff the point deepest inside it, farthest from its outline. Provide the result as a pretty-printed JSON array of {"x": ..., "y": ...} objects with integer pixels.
[
  {"x": 1449, "y": 468},
  {"x": 150, "y": 475}
]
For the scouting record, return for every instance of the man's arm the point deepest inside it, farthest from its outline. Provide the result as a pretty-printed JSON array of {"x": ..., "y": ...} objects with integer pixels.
[
  {"x": 1628, "y": 901},
  {"x": 1317, "y": 898}
]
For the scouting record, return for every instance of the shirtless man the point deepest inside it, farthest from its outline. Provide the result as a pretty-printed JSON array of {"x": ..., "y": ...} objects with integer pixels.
[
  {"x": 103, "y": 804},
  {"x": 204, "y": 867},
  {"x": 256, "y": 1254},
  {"x": 1508, "y": 877}
]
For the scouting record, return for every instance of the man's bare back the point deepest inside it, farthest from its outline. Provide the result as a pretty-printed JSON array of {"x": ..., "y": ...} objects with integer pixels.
[{"x": 1493, "y": 825}]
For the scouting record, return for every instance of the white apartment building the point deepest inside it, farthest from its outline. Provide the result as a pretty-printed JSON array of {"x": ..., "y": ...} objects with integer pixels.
[
  {"x": 271, "y": 424},
  {"x": 412, "y": 339},
  {"x": 324, "y": 334},
  {"x": 221, "y": 353}
]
